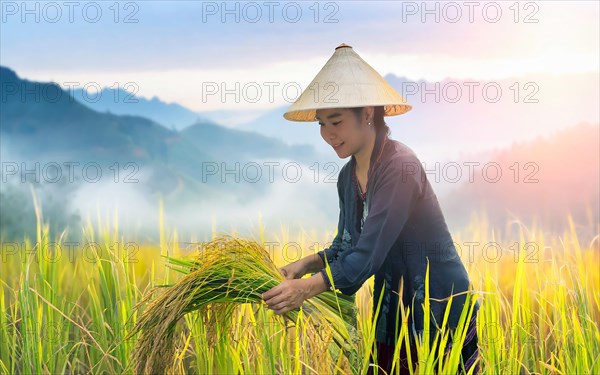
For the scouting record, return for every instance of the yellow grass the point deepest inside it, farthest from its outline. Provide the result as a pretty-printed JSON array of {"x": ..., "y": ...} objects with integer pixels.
[{"x": 70, "y": 310}]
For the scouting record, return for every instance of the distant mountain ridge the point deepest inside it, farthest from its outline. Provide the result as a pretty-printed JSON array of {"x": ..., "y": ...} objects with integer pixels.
[
  {"x": 208, "y": 137},
  {"x": 42, "y": 122},
  {"x": 42, "y": 125},
  {"x": 55, "y": 126},
  {"x": 51, "y": 122},
  {"x": 542, "y": 180},
  {"x": 122, "y": 102},
  {"x": 204, "y": 132}
]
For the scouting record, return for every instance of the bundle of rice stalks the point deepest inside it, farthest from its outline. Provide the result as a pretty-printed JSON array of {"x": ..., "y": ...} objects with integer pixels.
[{"x": 226, "y": 272}]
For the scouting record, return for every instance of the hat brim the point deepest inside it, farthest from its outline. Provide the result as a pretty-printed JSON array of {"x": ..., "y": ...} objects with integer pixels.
[{"x": 309, "y": 115}]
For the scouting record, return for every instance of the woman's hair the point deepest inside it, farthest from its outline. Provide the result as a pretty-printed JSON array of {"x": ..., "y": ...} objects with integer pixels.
[{"x": 378, "y": 119}]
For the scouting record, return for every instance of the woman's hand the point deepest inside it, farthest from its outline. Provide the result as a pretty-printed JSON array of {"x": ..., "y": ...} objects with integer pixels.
[
  {"x": 299, "y": 268},
  {"x": 294, "y": 270},
  {"x": 287, "y": 296}
]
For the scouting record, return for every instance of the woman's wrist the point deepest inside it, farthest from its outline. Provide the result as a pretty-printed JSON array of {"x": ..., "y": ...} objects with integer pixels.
[
  {"x": 314, "y": 285},
  {"x": 312, "y": 263}
]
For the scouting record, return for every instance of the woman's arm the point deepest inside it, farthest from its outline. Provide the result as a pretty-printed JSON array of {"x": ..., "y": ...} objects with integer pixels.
[
  {"x": 395, "y": 194},
  {"x": 309, "y": 264},
  {"x": 290, "y": 294},
  {"x": 313, "y": 263}
]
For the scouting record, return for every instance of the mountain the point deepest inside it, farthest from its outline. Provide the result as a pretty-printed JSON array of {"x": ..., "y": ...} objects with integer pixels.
[
  {"x": 42, "y": 128},
  {"x": 40, "y": 121},
  {"x": 541, "y": 180},
  {"x": 456, "y": 116},
  {"x": 221, "y": 142},
  {"x": 121, "y": 102},
  {"x": 273, "y": 124},
  {"x": 231, "y": 118},
  {"x": 51, "y": 123},
  {"x": 211, "y": 138}
]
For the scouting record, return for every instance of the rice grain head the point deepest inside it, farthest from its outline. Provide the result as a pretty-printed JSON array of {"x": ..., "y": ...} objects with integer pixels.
[{"x": 226, "y": 273}]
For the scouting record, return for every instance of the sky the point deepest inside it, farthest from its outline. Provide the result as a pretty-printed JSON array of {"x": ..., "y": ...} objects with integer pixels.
[
  {"x": 194, "y": 52},
  {"x": 210, "y": 56}
]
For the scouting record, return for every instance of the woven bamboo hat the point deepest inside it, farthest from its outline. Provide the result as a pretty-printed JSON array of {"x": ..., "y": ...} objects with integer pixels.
[{"x": 346, "y": 81}]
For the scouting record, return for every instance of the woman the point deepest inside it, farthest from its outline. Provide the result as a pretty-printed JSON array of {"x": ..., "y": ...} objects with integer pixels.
[{"x": 390, "y": 225}]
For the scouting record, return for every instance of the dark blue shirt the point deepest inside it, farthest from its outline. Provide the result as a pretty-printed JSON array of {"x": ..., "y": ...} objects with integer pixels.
[{"x": 392, "y": 235}]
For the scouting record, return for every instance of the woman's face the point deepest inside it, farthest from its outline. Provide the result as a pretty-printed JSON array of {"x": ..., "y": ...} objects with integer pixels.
[{"x": 343, "y": 129}]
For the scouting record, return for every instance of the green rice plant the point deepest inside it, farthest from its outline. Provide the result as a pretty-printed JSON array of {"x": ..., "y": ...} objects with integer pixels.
[
  {"x": 70, "y": 312},
  {"x": 226, "y": 273},
  {"x": 438, "y": 347}
]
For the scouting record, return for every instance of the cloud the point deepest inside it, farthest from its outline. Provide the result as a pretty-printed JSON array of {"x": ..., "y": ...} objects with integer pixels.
[
  {"x": 286, "y": 203},
  {"x": 187, "y": 36}
]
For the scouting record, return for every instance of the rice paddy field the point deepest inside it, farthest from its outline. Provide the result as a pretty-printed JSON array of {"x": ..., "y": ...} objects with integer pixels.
[{"x": 75, "y": 308}]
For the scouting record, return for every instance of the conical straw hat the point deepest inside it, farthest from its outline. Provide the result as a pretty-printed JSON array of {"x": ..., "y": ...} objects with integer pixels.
[{"x": 346, "y": 81}]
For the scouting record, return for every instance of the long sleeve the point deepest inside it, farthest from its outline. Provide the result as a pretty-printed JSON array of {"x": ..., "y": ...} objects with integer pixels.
[{"x": 395, "y": 193}]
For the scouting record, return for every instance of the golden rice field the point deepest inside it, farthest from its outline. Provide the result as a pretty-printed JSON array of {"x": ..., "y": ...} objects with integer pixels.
[{"x": 69, "y": 307}]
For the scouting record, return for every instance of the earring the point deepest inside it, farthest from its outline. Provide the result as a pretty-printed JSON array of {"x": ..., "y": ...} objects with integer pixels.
[{"x": 370, "y": 124}]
